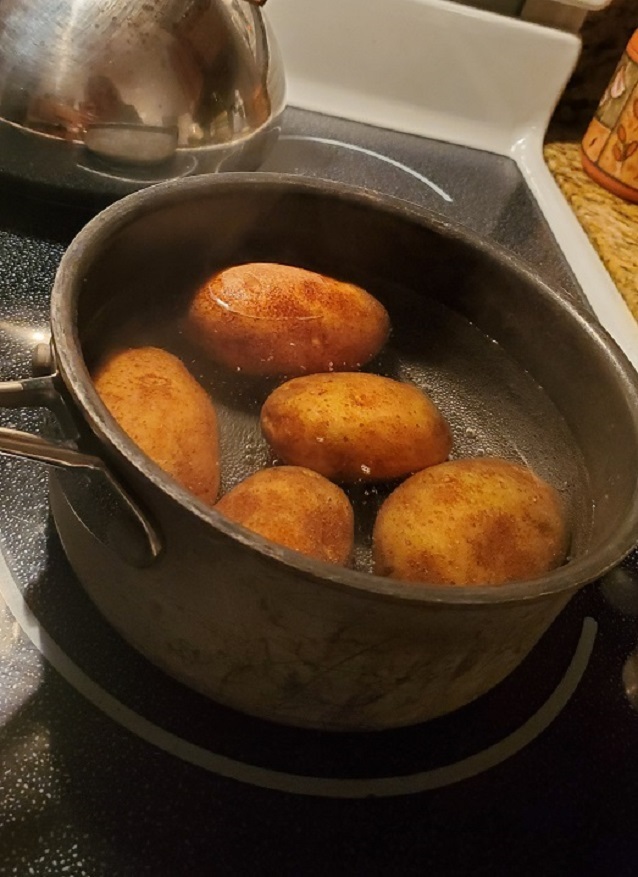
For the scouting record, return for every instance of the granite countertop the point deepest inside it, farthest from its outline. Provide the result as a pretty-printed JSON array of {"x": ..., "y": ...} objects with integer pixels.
[{"x": 610, "y": 222}]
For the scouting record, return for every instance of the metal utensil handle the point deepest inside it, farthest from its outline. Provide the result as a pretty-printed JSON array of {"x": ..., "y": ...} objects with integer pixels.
[
  {"x": 120, "y": 523},
  {"x": 16, "y": 443}
]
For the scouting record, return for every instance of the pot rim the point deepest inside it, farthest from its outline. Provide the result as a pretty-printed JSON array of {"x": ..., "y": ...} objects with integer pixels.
[{"x": 70, "y": 361}]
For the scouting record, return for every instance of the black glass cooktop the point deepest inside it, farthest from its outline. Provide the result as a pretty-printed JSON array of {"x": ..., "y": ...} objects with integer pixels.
[{"x": 110, "y": 768}]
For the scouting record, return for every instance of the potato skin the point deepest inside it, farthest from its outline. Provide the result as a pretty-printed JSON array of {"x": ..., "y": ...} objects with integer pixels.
[
  {"x": 296, "y": 508},
  {"x": 267, "y": 319},
  {"x": 163, "y": 409},
  {"x": 354, "y": 426},
  {"x": 481, "y": 521}
]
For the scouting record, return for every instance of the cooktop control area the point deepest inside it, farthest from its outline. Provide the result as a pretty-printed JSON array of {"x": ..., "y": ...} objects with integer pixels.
[{"x": 111, "y": 768}]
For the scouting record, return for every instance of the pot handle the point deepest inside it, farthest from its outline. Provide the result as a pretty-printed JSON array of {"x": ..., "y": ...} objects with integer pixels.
[{"x": 99, "y": 501}]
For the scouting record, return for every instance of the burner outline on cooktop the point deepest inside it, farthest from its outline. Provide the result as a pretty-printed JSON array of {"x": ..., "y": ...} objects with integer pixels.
[
  {"x": 277, "y": 780},
  {"x": 184, "y": 169},
  {"x": 327, "y": 141}
]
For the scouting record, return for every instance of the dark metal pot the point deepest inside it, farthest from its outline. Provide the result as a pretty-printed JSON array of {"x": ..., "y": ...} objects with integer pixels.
[{"x": 517, "y": 369}]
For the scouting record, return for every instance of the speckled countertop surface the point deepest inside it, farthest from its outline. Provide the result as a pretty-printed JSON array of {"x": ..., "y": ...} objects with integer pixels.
[{"x": 610, "y": 222}]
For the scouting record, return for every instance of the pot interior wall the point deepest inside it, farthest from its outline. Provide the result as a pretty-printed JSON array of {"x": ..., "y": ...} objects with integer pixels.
[{"x": 514, "y": 376}]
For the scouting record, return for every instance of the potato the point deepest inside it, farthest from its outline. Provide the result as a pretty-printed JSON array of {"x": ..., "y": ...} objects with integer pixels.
[
  {"x": 265, "y": 319},
  {"x": 296, "y": 508},
  {"x": 163, "y": 409},
  {"x": 481, "y": 521},
  {"x": 354, "y": 426}
]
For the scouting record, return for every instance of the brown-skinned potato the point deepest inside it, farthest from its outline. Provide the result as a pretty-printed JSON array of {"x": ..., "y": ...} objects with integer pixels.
[
  {"x": 296, "y": 508},
  {"x": 268, "y": 319},
  {"x": 355, "y": 426},
  {"x": 482, "y": 521},
  {"x": 162, "y": 408}
]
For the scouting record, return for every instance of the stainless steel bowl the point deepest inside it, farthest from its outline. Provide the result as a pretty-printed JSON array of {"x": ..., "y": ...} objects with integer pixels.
[{"x": 157, "y": 90}]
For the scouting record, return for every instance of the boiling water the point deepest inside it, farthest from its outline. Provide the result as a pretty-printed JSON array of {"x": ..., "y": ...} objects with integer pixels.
[{"x": 493, "y": 406}]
